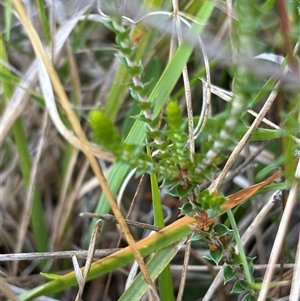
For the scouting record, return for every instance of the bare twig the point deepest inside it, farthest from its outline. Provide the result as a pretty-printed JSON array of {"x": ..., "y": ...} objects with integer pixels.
[
  {"x": 216, "y": 184},
  {"x": 186, "y": 82},
  {"x": 55, "y": 255},
  {"x": 203, "y": 268},
  {"x": 89, "y": 260},
  {"x": 185, "y": 266},
  {"x": 295, "y": 292},
  {"x": 111, "y": 218},
  {"x": 291, "y": 201}
]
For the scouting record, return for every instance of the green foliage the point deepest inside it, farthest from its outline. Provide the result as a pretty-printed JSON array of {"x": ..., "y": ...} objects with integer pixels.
[
  {"x": 232, "y": 270},
  {"x": 181, "y": 191},
  {"x": 159, "y": 95},
  {"x": 215, "y": 256},
  {"x": 229, "y": 273},
  {"x": 196, "y": 236},
  {"x": 172, "y": 161},
  {"x": 240, "y": 286},
  {"x": 51, "y": 276},
  {"x": 104, "y": 132},
  {"x": 176, "y": 133},
  {"x": 187, "y": 209},
  {"x": 221, "y": 229},
  {"x": 157, "y": 141},
  {"x": 156, "y": 265},
  {"x": 209, "y": 201},
  {"x": 249, "y": 297},
  {"x": 173, "y": 158},
  {"x": 8, "y": 18}
]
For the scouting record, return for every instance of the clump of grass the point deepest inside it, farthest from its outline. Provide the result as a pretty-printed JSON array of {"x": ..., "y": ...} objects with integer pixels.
[{"x": 118, "y": 81}]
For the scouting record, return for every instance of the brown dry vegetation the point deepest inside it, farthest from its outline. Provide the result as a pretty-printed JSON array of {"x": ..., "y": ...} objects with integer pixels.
[{"x": 47, "y": 180}]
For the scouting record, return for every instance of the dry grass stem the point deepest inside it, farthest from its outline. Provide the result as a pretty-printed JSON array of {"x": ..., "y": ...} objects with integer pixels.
[
  {"x": 261, "y": 216},
  {"x": 241, "y": 144},
  {"x": 290, "y": 205},
  {"x": 295, "y": 292},
  {"x": 187, "y": 253},
  {"x": 91, "y": 251},
  {"x": 226, "y": 151},
  {"x": 55, "y": 255},
  {"x": 186, "y": 83},
  {"x": 7, "y": 291},
  {"x": 57, "y": 225},
  {"x": 64, "y": 208}
]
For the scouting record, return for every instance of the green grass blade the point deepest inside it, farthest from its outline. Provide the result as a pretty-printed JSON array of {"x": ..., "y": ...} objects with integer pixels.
[
  {"x": 8, "y": 18},
  {"x": 157, "y": 206},
  {"x": 44, "y": 20},
  {"x": 240, "y": 247},
  {"x": 155, "y": 266},
  {"x": 165, "y": 282}
]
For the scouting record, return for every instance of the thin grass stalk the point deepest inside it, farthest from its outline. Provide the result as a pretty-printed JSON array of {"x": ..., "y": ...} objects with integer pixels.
[
  {"x": 186, "y": 82},
  {"x": 63, "y": 209},
  {"x": 216, "y": 184},
  {"x": 165, "y": 278},
  {"x": 240, "y": 247},
  {"x": 8, "y": 18},
  {"x": 186, "y": 260},
  {"x": 280, "y": 236},
  {"x": 295, "y": 292},
  {"x": 44, "y": 21},
  {"x": 191, "y": 145}
]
